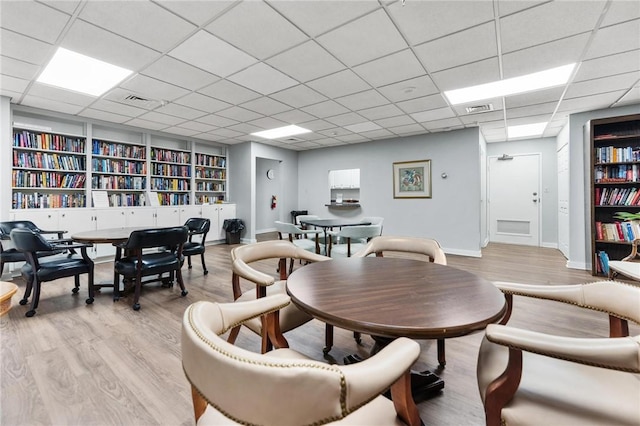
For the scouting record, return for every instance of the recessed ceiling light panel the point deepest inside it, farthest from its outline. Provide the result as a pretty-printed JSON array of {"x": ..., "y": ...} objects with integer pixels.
[
  {"x": 74, "y": 71},
  {"x": 526, "y": 130},
  {"x": 281, "y": 132},
  {"x": 511, "y": 86}
]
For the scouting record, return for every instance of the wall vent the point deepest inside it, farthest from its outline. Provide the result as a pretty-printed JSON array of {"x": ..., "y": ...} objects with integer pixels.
[
  {"x": 479, "y": 108},
  {"x": 291, "y": 139},
  {"x": 141, "y": 102}
]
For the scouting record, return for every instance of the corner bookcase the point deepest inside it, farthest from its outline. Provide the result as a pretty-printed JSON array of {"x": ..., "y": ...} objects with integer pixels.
[
  {"x": 210, "y": 178},
  {"x": 171, "y": 175},
  {"x": 615, "y": 187}
]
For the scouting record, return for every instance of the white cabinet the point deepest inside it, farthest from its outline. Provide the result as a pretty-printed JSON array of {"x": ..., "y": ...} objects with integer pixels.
[
  {"x": 167, "y": 216},
  {"x": 187, "y": 212},
  {"x": 344, "y": 179},
  {"x": 217, "y": 213},
  {"x": 225, "y": 211}
]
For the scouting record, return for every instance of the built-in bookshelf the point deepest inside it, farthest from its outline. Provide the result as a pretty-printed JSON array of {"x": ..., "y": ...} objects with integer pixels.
[
  {"x": 171, "y": 175},
  {"x": 210, "y": 178},
  {"x": 120, "y": 168},
  {"x": 615, "y": 188},
  {"x": 48, "y": 169}
]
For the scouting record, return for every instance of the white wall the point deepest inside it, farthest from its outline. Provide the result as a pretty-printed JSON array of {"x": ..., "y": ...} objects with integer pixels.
[
  {"x": 265, "y": 189},
  {"x": 452, "y": 215},
  {"x": 549, "y": 191}
]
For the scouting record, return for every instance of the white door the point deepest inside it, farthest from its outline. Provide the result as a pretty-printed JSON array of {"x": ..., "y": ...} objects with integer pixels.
[
  {"x": 563, "y": 200},
  {"x": 514, "y": 199}
]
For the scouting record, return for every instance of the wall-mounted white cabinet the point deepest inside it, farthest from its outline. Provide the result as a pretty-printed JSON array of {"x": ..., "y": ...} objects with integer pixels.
[{"x": 344, "y": 179}]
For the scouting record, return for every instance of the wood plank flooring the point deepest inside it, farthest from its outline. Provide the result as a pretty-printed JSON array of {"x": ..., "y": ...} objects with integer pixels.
[{"x": 105, "y": 364}]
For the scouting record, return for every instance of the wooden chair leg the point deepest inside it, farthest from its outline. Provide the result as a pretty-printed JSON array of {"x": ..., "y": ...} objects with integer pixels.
[
  {"x": 199, "y": 403},
  {"x": 441, "y": 358},
  {"x": 189, "y": 261},
  {"x": 36, "y": 298},
  {"x": 328, "y": 338},
  {"x": 204, "y": 267}
]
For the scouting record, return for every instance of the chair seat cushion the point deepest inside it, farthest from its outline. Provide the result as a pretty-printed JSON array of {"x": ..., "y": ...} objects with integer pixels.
[
  {"x": 306, "y": 244},
  {"x": 152, "y": 263},
  {"x": 290, "y": 316},
  {"x": 629, "y": 269},
  {"x": 558, "y": 392},
  {"x": 340, "y": 250},
  {"x": 58, "y": 267},
  {"x": 190, "y": 249},
  {"x": 13, "y": 255}
]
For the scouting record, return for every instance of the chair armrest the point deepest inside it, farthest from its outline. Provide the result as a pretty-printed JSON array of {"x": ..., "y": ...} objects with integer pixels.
[
  {"x": 245, "y": 271},
  {"x": 234, "y": 314},
  {"x": 620, "y": 353},
  {"x": 60, "y": 233},
  {"x": 66, "y": 246},
  {"x": 310, "y": 256},
  {"x": 5, "y": 237}
]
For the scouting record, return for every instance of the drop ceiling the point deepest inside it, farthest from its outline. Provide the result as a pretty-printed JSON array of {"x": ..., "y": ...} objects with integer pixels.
[{"x": 350, "y": 71}]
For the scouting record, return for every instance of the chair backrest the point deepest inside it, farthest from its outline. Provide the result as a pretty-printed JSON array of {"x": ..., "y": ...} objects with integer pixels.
[
  {"x": 287, "y": 228},
  {"x": 360, "y": 231},
  {"x": 157, "y": 237},
  {"x": 7, "y": 227},
  {"x": 374, "y": 220},
  {"x": 251, "y": 388},
  {"x": 272, "y": 249},
  {"x": 28, "y": 241},
  {"x": 302, "y": 217},
  {"x": 198, "y": 225},
  {"x": 426, "y": 246}
]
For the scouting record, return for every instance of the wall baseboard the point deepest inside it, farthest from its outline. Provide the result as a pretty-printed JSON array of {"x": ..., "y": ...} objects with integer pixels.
[
  {"x": 578, "y": 265},
  {"x": 549, "y": 245},
  {"x": 467, "y": 253}
]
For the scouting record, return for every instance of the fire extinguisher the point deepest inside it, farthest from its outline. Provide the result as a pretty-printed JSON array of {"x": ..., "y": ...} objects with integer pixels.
[{"x": 273, "y": 202}]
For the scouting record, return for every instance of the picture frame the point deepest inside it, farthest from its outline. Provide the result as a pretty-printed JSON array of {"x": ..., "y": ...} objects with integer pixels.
[{"x": 412, "y": 179}]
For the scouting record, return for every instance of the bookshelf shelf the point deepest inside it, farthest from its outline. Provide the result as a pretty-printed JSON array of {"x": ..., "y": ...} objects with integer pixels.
[
  {"x": 210, "y": 178},
  {"x": 615, "y": 187},
  {"x": 171, "y": 175}
]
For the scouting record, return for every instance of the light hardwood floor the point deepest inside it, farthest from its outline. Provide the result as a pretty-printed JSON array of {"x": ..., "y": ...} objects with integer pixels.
[{"x": 105, "y": 364}]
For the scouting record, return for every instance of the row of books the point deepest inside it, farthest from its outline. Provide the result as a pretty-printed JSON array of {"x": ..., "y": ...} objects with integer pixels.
[
  {"x": 612, "y": 154},
  {"x": 170, "y": 170},
  {"x": 174, "y": 199},
  {"x": 118, "y": 182},
  {"x": 119, "y": 166},
  {"x": 161, "y": 184},
  {"x": 210, "y": 160},
  {"x": 210, "y": 174},
  {"x": 618, "y": 231},
  {"x": 602, "y": 262},
  {"x": 617, "y": 196},
  {"x": 48, "y": 141},
  {"x": 127, "y": 200},
  {"x": 210, "y": 186},
  {"x": 28, "y": 179},
  {"x": 170, "y": 156},
  {"x": 42, "y": 160},
  {"x": 118, "y": 150},
  {"x": 621, "y": 173},
  {"x": 208, "y": 199},
  {"x": 35, "y": 200}
]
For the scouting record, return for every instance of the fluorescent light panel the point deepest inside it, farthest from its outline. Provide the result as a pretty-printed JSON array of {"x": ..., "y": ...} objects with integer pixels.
[
  {"x": 511, "y": 86},
  {"x": 74, "y": 71},
  {"x": 281, "y": 132},
  {"x": 525, "y": 130}
]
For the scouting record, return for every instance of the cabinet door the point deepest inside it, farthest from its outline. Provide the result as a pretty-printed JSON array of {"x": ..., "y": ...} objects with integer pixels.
[
  {"x": 105, "y": 219},
  {"x": 225, "y": 211},
  {"x": 44, "y": 219},
  {"x": 167, "y": 216},
  {"x": 210, "y": 211},
  {"x": 354, "y": 178},
  {"x": 186, "y": 212},
  {"x": 140, "y": 217}
]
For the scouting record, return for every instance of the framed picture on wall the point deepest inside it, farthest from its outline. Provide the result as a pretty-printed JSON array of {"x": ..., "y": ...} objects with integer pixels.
[{"x": 412, "y": 179}]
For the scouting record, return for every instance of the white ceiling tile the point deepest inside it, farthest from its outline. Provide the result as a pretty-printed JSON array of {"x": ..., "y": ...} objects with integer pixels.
[
  {"x": 443, "y": 125},
  {"x": 422, "y": 104},
  {"x": 299, "y": 96},
  {"x": 603, "y": 85},
  {"x": 427, "y": 20},
  {"x": 631, "y": 97},
  {"x": 257, "y": 29},
  {"x": 125, "y": 20},
  {"x": 543, "y": 23},
  {"x": 362, "y": 100},
  {"x": 229, "y": 92},
  {"x": 177, "y": 130},
  {"x": 216, "y": 120},
  {"x": 14, "y": 84},
  {"x": 153, "y": 89},
  {"x": 529, "y": 120},
  {"x": 97, "y": 43},
  {"x": 620, "y": 11},
  {"x": 104, "y": 115},
  {"x": 167, "y": 120},
  {"x": 238, "y": 114},
  {"x": 431, "y": 115},
  {"x": 67, "y": 6},
  {"x": 117, "y": 108},
  {"x": 592, "y": 102},
  {"x": 364, "y": 39},
  {"x": 601, "y": 67},
  {"x": 306, "y": 62},
  {"x": 266, "y": 123},
  {"x": 401, "y": 120},
  {"x": 335, "y": 132},
  {"x": 210, "y": 137},
  {"x": 545, "y": 56},
  {"x": 197, "y": 11},
  {"x": 202, "y": 102},
  {"x": 468, "y": 75},
  {"x": 200, "y": 127},
  {"x": 325, "y": 109},
  {"x": 346, "y": 119},
  {"x": 481, "y": 117},
  {"x": 317, "y": 125},
  {"x": 13, "y": 45},
  {"x": 339, "y": 84},
  {"x": 507, "y": 7},
  {"x": 225, "y": 132},
  {"x": 16, "y": 68},
  {"x": 532, "y": 98},
  {"x": 178, "y": 73},
  {"x": 51, "y": 105},
  {"x": 294, "y": 116},
  {"x": 615, "y": 39},
  {"x": 263, "y": 79},
  {"x": 363, "y": 127},
  {"x": 146, "y": 124},
  {"x": 204, "y": 50},
  {"x": 352, "y": 138},
  {"x": 246, "y": 128},
  {"x": 317, "y": 17},
  {"x": 180, "y": 111},
  {"x": 33, "y": 19},
  {"x": 383, "y": 111},
  {"x": 533, "y": 110},
  {"x": 54, "y": 93},
  {"x": 265, "y": 106},
  {"x": 377, "y": 134},
  {"x": 407, "y": 129},
  {"x": 390, "y": 69},
  {"x": 409, "y": 89}
]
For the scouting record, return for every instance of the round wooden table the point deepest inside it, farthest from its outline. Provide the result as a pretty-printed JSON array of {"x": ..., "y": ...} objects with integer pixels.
[{"x": 392, "y": 297}]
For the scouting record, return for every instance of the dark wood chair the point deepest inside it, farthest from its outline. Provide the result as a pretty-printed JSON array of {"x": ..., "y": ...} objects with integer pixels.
[
  {"x": 8, "y": 253},
  {"x": 139, "y": 260},
  {"x": 198, "y": 227},
  {"x": 32, "y": 244}
]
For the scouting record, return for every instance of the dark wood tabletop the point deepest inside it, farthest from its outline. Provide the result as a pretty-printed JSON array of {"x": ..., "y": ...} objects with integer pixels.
[
  {"x": 395, "y": 297},
  {"x": 106, "y": 236}
]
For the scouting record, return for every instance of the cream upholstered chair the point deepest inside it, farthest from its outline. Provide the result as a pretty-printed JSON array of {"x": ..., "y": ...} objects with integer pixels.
[
  {"x": 527, "y": 377},
  {"x": 232, "y": 386},
  {"x": 427, "y": 248},
  {"x": 298, "y": 236},
  {"x": 355, "y": 238},
  {"x": 265, "y": 284}
]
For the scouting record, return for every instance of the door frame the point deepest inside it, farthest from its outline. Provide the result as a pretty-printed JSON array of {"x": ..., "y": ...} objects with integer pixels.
[{"x": 488, "y": 189}]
